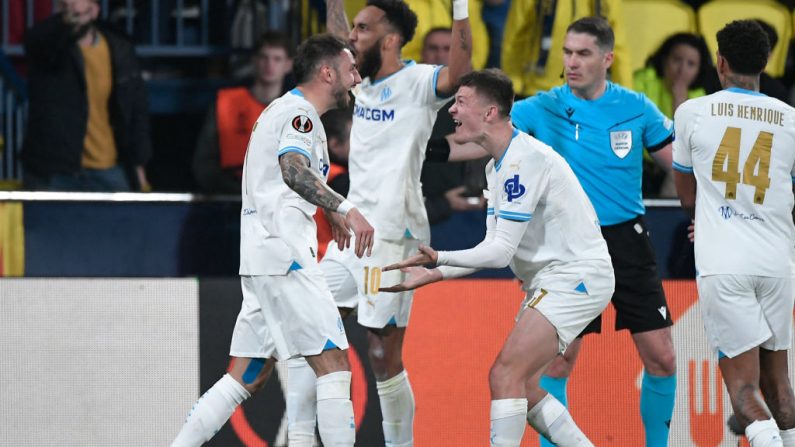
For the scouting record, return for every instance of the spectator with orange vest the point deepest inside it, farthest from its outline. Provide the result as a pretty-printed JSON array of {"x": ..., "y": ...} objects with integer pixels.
[{"x": 221, "y": 148}]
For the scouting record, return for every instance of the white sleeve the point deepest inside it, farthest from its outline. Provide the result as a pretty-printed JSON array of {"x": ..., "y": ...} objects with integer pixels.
[
  {"x": 297, "y": 134},
  {"x": 682, "y": 155},
  {"x": 494, "y": 252},
  {"x": 426, "y": 77},
  {"x": 491, "y": 224}
]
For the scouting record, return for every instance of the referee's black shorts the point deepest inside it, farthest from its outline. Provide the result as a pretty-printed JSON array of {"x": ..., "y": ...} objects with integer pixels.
[{"x": 639, "y": 298}]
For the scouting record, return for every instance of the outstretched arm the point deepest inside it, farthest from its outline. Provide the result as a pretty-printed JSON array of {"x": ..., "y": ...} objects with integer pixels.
[
  {"x": 310, "y": 186},
  {"x": 460, "y": 51},
  {"x": 336, "y": 20}
]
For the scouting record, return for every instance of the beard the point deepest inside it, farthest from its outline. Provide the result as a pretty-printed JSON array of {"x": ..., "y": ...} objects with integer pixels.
[
  {"x": 342, "y": 98},
  {"x": 371, "y": 61}
]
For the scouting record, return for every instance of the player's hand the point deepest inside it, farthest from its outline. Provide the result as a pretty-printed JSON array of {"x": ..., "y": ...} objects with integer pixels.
[
  {"x": 427, "y": 255},
  {"x": 459, "y": 201},
  {"x": 416, "y": 277},
  {"x": 363, "y": 231},
  {"x": 691, "y": 231},
  {"x": 340, "y": 231}
]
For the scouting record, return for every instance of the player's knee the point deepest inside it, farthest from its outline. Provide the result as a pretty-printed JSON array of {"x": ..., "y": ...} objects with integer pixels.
[
  {"x": 663, "y": 364},
  {"x": 560, "y": 368},
  {"x": 500, "y": 374},
  {"x": 255, "y": 375}
]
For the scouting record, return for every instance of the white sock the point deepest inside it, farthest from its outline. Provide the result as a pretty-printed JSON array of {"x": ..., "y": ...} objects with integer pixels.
[
  {"x": 788, "y": 437},
  {"x": 301, "y": 403},
  {"x": 507, "y": 422},
  {"x": 550, "y": 418},
  {"x": 397, "y": 410},
  {"x": 211, "y": 412},
  {"x": 763, "y": 434},
  {"x": 335, "y": 410}
]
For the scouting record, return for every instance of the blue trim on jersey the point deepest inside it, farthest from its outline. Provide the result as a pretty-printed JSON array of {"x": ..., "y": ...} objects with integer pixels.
[
  {"x": 408, "y": 63},
  {"x": 435, "y": 79},
  {"x": 300, "y": 150},
  {"x": 392, "y": 321},
  {"x": 793, "y": 179},
  {"x": 721, "y": 355},
  {"x": 297, "y": 92},
  {"x": 510, "y": 215},
  {"x": 407, "y": 234},
  {"x": 490, "y": 211},
  {"x": 499, "y": 162},
  {"x": 294, "y": 266},
  {"x": 682, "y": 168},
  {"x": 581, "y": 288},
  {"x": 744, "y": 91},
  {"x": 329, "y": 345}
]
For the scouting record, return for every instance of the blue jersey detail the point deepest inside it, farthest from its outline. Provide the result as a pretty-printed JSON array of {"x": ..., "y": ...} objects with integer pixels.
[
  {"x": 510, "y": 215},
  {"x": 294, "y": 266},
  {"x": 502, "y": 157},
  {"x": 610, "y": 170},
  {"x": 435, "y": 79},
  {"x": 406, "y": 63},
  {"x": 490, "y": 211},
  {"x": 297, "y": 92},
  {"x": 373, "y": 114},
  {"x": 682, "y": 168},
  {"x": 392, "y": 321},
  {"x": 581, "y": 288},
  {"x": 744, "y": 91},
  {"x": 300, "y": 150},
  {"x": 329, "y": 345},
  {"x": 793, "y": 179}
]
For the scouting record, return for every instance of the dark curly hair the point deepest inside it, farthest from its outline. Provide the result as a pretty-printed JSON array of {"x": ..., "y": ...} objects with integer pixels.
[
  {"x": 657, "y": 60},
  {"x": 745, "y": 46},
  {"x": 398, "y": 14}
]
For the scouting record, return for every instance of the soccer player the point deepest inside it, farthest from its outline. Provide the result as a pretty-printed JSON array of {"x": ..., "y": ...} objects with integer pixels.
[
  {"x": 601, "y": 129},
  {"x": 734, "y": 161},
  {"x": 539, "y": 222},
  {"x": 396, "y": 106},
  {"x": 287, "y": 309}
]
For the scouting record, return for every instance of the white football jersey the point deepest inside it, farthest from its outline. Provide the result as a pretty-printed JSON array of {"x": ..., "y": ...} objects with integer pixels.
[
  {"x": 532, "y": 182},
  {"x": 392, "y": 121},
  {"x": 276, "y": 225},
  {"x": 740, "y": 145}
]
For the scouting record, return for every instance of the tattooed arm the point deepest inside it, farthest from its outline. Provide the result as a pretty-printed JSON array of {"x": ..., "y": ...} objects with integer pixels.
[
  {"x": 336, "y": 20},
  {"x": 460, "y": 62},
  {"x": 306, "y": 183}
]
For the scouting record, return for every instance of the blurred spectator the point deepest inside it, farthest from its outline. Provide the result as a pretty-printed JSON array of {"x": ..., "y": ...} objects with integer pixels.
[
  {"x": 495, "y": 12},
  {"x": 676, "y": 72},
  {"x": 337, "y": 124},
  {"x": 453, "y": 186},
  {"x": 88, "y": 127},
  {"x": 221, "y": 147},
  {"x": 532, "y": 44}
]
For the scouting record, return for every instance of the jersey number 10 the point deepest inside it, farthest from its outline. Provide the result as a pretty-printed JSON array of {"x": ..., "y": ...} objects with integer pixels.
[
  {"x": 372, "y": 280},
  {"x": 726, "y": 165}
]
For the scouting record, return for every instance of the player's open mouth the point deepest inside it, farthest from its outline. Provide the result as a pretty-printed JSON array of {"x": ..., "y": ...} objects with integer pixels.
[{"x": 457, "y": 123}]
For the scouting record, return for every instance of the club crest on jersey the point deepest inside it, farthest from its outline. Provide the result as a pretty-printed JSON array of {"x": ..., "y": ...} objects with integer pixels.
[
  {"x": 386, "y": 93},
  {"x": 303, "y": 124},
  {"x": 621, "y": 142},
  {"x": 513, "y": 188}
]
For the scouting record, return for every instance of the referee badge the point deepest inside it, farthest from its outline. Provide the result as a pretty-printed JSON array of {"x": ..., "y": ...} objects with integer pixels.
[{"x": 621, "y": 142}]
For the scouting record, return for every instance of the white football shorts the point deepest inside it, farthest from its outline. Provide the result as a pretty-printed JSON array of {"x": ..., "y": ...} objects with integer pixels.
[
  {"x": 741, "y": 312},
  {"x": 570, "y": 296},
  {"x": 287, "y": 316},
  {"x": 354, "y": 282}
]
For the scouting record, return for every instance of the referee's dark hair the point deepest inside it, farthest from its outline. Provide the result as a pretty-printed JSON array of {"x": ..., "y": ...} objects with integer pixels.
[
  {"x": 745, "y": 46},
  {"x": 597, "y": 27},
  {"x": 399, "y": 16},
  {"x": 494, "y": 85},
  {"x": 316, "y": 51}
]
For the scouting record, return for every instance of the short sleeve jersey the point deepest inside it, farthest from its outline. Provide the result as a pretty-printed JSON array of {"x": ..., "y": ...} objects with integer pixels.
[
  {"x": 740, "y": 145},
  {"x": 392, "y": 121},
  {"x": 602, "y": 140},
  {"x": 277, "y": 231},
  {"x": 531, "y": 182}
]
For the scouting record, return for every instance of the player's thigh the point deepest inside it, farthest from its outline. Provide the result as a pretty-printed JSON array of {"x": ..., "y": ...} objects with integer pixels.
[
  {"x": 571, "y": 297},
  {"x": 733, "y": 317},
  {"x": 776, "y": 297},
  {"x": 300, "y": 313},
  {"x": 339, "y": 278},
  {"x": 251, "y": 337}
]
